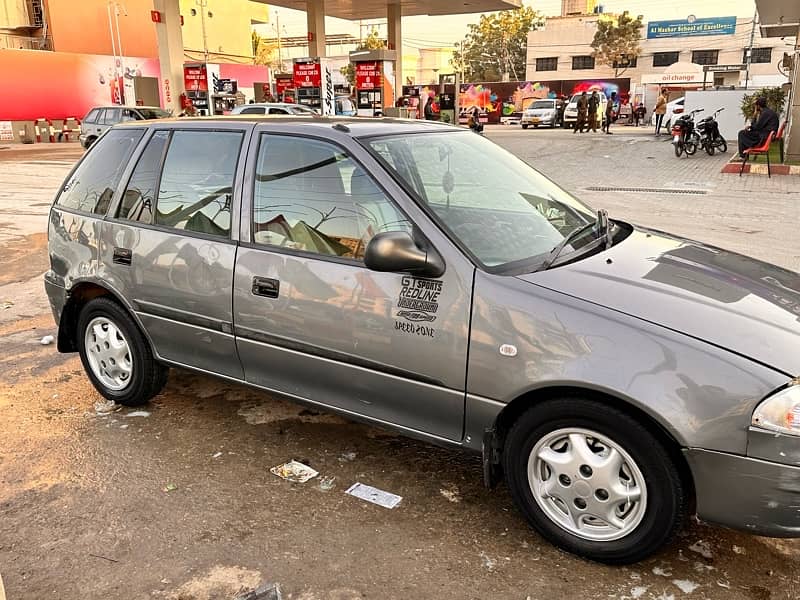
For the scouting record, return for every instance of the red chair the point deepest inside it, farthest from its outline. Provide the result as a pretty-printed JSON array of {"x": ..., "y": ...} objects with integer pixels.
[
  {"x": 779, "y": 137},
  {"x": 757, "y": 150}
]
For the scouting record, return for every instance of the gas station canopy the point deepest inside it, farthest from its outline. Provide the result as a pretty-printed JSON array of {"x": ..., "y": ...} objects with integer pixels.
[
  {"x": 778, "y": 18},
  {"x": 376, "y": 9}
]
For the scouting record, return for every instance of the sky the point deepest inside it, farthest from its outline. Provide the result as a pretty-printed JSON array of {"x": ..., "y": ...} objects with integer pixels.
[{"x": 431, "y": 32}]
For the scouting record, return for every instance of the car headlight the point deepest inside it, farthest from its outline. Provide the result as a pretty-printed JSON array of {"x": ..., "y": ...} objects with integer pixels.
[{"x": 781, "y": 411}]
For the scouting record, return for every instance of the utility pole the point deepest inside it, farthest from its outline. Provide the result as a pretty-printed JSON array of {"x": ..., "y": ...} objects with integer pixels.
[
  {"x": 280, "y": 54},
  {"x": 750, "y": 50},
  {"x": 202, "y": 4}
]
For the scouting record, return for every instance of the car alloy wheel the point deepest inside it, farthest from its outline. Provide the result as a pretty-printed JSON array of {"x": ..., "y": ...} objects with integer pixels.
[
  {"x": 115, "y": 354},
  {"x": 587, "y": 484},
  {"x": 108, "y": 353},
  {"x": 594, "y": 480}
]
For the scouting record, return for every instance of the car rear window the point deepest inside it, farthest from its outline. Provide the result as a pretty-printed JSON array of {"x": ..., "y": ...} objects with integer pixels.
[
  {"x": 253, "y": 110},
  {"x": 92, "y": 184}
]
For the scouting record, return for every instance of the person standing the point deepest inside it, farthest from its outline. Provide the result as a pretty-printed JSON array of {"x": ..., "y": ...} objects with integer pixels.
[
  {"x": 660, "y": 110},
  {"x": 764, "y": 122},
  {"x": 594, "y": 105},
  {"x": 610, "y": 112},
  {"x": 428, "y": 109},
  {"x": 583, "y": 108}
]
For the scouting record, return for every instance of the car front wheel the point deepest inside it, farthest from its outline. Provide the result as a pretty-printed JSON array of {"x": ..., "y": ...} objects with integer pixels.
[
  {"x": 116, "y": 356},
  {"x": 593, "y": 481}
]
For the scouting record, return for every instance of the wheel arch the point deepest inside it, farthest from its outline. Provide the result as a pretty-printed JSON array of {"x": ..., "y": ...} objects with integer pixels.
[
  {"x": 78, "y": 296},
  {"x": 493, "y": 447}
]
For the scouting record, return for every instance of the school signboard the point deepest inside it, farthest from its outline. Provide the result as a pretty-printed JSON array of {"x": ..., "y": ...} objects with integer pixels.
[{"x": 691, "y": 27}]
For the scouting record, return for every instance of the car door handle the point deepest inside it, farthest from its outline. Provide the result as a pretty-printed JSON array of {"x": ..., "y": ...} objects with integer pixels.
[
  {"x": 264, "y": 286},
  {"x": 122, "y": 256}
]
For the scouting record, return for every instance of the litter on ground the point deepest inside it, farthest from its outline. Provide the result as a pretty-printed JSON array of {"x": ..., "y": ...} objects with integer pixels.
[
  {"x": 327, "y": 483},
  {"x": 47, "y": 340},
  {"x": 374, "y": 495},
  {"x": 294, "y": 471},
  {"x": 105, "y": 407},
  {"x": 138, "y": 413}
]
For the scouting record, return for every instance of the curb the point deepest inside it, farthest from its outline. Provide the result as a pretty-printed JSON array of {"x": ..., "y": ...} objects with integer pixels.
[{"x": 759, "y": 169}]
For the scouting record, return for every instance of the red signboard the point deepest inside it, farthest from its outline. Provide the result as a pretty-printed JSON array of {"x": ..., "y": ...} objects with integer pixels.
[
  {"x": 282, "y": 84},
  {"x": 307, "y": 75},
  {"x": 195, "y": 78},
  {"x": 368, "y": 75}
]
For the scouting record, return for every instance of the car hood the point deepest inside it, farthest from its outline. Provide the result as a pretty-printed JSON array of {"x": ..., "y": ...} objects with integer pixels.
[{"x": 738, "y": 303}]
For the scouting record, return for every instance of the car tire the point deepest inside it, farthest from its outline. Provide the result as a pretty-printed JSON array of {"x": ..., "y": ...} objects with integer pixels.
[
  {"x": 570, "y": 492},
  {"x": 89, "y": 142},
  {"x": 116, "y": 356},
  {"x": 524, "y": 125}
]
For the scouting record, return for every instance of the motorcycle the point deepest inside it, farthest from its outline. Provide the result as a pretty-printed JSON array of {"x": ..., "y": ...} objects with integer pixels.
[
  {"x": 710, "y": 137},
  {"x": 684, "y": 136}
]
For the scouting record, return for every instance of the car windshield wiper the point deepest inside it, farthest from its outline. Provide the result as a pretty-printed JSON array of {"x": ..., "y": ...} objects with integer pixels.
[{"x": 602, "y": 228}]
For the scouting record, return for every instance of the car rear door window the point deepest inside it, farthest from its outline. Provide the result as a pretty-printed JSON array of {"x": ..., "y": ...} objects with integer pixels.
[
  {"x": 196, "y": 185},
  {"x": 253, "y": 110},
  {"x": 140, "y": 194},
  {"x": 113, "y": 116},
  {"x": 130, "y": 115},
  {"x": 278, "y": 111},
  {"x": 92, "y": 185},
  {"x": 311, "y": 196}
]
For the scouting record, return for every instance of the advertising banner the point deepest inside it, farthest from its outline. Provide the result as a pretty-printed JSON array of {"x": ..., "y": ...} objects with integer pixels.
[
  {"x": 691, "y": 27},
  {"x": 195, "y": 78},
  {"x": 283, "y": 83},
  {"x": 368, "y": 75},
  {"x": 65, "y": 84},
  {"x": 307, "y": 74}
]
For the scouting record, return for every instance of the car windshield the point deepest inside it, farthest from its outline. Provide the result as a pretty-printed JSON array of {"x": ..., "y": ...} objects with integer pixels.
[
  {"x": 500, "y": 209},
  {"x": 542, "y": 104},
  {"x": 153, "y": 113}
]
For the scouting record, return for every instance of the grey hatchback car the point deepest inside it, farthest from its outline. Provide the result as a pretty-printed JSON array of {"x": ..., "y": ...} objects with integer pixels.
[
  {"x": 101, "y": 118},
  {"x": 417, "y": 276}
]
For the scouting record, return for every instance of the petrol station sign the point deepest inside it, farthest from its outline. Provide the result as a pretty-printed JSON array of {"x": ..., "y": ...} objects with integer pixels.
[
  {"x": 368, "y": 75},
  {"x": 307, "y": 74},
  {"x": 195, "y": 78}
]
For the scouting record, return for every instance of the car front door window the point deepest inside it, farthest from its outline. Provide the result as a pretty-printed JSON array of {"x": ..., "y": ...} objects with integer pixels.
[{"x": 311, "y": 196}]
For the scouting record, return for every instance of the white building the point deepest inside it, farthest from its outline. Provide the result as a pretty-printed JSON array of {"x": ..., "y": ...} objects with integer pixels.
[{"x": 673, "y": 53}]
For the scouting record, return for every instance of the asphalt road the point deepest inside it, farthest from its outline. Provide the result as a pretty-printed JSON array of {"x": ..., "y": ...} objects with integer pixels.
[{"x": 177, "y": 501}]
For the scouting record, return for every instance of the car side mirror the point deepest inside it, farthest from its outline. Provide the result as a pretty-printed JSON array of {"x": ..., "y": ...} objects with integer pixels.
[{"x": 396, "y": 251}]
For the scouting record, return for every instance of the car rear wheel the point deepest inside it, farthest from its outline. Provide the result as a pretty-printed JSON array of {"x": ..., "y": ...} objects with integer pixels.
[
  {"x": 593, "y": 481},
  {"x": 116, "y": 356},
  {"x": 524, "y": 125}
]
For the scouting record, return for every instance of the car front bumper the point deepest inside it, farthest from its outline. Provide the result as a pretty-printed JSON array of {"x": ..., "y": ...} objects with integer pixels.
[
  {"x": 536, "y": 120},
  {"x": 750, "y": 494}
]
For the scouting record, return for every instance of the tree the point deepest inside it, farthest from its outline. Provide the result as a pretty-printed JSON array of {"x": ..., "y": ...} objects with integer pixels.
[
  {"x": 496, "y": 46},
  {"x": 616, "y": 41},
  {"x": 265, "y": 53},
  {"x": 775, "y": 97},
  {"x": 371, "y": 42}
]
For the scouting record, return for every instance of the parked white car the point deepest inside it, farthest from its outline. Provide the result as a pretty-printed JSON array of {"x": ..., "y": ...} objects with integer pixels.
[
  {"x": 571, "y": 112},
  {"x": 675, "y": 107}
]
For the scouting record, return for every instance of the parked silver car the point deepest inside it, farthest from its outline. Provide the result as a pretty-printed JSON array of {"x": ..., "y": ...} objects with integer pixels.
[
  {"x": 545, "y": 111},
  {"x": 417, "y": 276},
  {"x": 101, "y": 118},
  {"x": 274, "y": 108}
]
